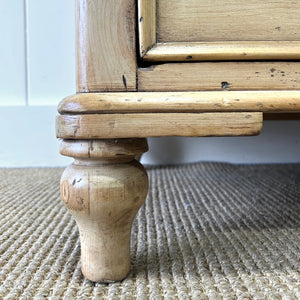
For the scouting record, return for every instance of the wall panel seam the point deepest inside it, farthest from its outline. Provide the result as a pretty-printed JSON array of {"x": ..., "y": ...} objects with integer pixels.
[{"x": 26, "y": 52}]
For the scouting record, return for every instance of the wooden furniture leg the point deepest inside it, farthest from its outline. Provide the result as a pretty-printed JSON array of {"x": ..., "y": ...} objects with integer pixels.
[{"x": 103, "y": 189}]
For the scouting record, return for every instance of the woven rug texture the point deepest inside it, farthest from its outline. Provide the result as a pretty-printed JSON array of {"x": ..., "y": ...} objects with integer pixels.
[{"x": 206, "y": 231}]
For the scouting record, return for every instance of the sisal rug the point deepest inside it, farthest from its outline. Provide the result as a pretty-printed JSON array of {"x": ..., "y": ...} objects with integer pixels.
[{"x": 206, "y": 231}]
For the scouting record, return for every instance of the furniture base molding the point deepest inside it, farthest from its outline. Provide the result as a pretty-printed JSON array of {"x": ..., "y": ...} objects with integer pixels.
[
  {"x": 103, "y": 190},
  {"x": 267, "y": 101},
  {"x": 105, "y": 126}
]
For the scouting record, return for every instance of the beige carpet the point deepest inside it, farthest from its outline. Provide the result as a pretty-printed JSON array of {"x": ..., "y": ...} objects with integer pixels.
[{"x": 207, "y": 231}]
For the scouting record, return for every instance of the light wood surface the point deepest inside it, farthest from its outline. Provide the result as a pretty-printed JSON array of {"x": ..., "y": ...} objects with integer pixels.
[
  {"x": 216, "y": 20},
  {"x": 146, "y": 25},
  {"x": 214, "y": 76},
  {"x": 101, "y": 126},
  {"x": 237, "y": 50},
  {"x": 170, "y": 102},
  {"x": 104, "y": 150},
  {"x": 200, "y": 30},
  {"x": 104, "y": 194},
  {"x": 106, "y": 55}
]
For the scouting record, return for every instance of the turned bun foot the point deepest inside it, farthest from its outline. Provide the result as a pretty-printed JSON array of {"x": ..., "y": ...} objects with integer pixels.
[{"x": 103, "y": 189}]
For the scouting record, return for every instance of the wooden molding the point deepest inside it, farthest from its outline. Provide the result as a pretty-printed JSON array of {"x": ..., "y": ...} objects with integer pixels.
[
  {"x": 153, "y": 50},
  {"x": 176, "y": 102},
  {"x": 108, "y": 126},
  {"x": 146, "y": 25},
  {"x": 239, "y": 50}
]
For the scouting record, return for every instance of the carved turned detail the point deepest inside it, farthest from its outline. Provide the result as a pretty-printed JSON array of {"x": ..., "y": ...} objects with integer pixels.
[{"x": 103, "y": 189}]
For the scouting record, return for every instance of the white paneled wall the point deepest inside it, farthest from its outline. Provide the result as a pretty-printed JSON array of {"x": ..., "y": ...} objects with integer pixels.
[
  {"x": 37, "y": 69},
  {"x": 51, "y": 50},
  {"x": 12, "y": 53},
  {"x": 37, "y": 51}
]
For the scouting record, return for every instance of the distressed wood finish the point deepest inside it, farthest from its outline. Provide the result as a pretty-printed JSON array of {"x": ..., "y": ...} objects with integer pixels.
[
  {"x": 244, "y": 50},
  {"x": 175, "y": 102},
  {"x": 216, "y": 20},
  {"x": 220, "y": 76},
  {"x": 103, "y": 189},
  {"x": 214, "y": 30},
  {"x": 104, "y": 126},
  {"x": 146, "y": 25},
  {"x": 106, "y": 55}
]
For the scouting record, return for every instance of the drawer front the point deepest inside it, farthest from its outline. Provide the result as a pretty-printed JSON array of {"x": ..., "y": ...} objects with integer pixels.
[
  {"x": 197, "y": 30},
  {"x": 232, "y": 20}
]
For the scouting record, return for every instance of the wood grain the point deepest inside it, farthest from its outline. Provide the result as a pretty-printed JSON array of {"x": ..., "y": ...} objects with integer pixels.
[
  {"x": 146, "y": 25},
  {"x": 216, "y": 20},
  {"x": 214, "y": 76},
  {"x": 228, "y": 50},
  {"x": 155, "y": 102},
  {"x": 105, "y": 150},
  {"x": 106, "y": 55},
  {"x": 102, "y": 126},
  {"x": 104, "y": 193}
]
